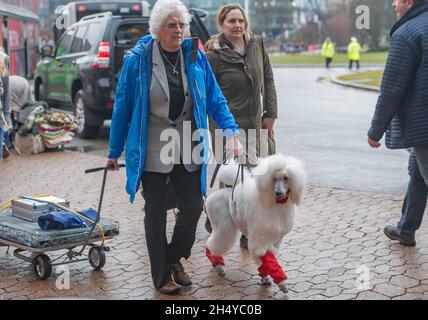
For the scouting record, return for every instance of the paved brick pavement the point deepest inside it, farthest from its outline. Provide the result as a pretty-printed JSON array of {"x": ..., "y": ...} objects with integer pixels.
[{"x": 338, "y": 233}]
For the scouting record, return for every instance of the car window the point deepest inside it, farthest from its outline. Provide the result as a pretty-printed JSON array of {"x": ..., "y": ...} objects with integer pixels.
[
  {"x": 128, "y": 34},
  {"x": 65, "y": 43},
  {"x": 78, "y": 39},
  {"x": 93, "y": 36}
]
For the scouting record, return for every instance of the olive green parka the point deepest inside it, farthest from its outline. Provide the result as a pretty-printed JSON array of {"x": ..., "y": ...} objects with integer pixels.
[{"x": 246, "y": 81}]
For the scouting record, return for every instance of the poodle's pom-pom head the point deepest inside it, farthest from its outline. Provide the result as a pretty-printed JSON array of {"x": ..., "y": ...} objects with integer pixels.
[{"x": 269, "y": 168}]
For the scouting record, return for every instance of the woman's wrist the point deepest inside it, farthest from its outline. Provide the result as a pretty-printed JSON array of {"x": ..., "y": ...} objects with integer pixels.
[{"x": 229, "y": 133}]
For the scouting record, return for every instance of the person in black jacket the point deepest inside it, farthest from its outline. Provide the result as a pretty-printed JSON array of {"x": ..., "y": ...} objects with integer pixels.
[{"x": 402, "y": 110}]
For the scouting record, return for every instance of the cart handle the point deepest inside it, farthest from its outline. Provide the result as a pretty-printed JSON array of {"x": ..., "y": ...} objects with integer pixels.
[{"x": 102, "y": 168}]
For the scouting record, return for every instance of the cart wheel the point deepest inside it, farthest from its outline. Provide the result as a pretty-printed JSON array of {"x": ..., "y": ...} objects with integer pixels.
[
  {"x": 42, "y": 266},
  {"x": 97, "y": 257}
]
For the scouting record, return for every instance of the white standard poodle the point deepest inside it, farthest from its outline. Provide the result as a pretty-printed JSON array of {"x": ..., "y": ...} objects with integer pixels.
[{"x": 263, "y": 208}]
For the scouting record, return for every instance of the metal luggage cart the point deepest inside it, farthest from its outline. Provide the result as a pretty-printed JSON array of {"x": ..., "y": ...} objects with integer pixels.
[{"x": 42, "y": 264}]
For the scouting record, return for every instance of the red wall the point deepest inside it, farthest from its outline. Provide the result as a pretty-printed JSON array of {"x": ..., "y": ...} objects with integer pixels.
[
  {"x": 22, "y": 62},
  {"x": 16, "y": 52}
]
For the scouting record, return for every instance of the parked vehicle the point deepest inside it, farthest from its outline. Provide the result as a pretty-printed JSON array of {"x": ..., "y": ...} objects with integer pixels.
[
  {"x": 82, "y": 73},
  {"x": 66, "y": 15}
]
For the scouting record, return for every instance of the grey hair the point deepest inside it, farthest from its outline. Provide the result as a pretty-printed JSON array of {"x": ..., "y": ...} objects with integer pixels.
[{"x": 161, "y": 11}]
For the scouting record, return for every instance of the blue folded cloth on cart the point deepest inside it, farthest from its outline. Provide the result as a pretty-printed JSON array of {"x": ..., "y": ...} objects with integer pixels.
[{"x": 63, "y": 219}]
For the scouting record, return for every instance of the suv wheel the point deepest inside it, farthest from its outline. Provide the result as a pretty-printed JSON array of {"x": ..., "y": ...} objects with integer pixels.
[
  {"x": 40, "y": 92},
  {"x": 83, "y": 129}
]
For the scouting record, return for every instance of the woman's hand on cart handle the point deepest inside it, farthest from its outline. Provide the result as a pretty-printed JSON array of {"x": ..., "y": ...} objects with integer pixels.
[
  {"x": 113, "y": 164},
  {"x": 108, "y": 167}
]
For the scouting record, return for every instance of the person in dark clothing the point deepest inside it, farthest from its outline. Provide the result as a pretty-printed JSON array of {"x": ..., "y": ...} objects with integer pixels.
[{"x": 402, "y": 110}]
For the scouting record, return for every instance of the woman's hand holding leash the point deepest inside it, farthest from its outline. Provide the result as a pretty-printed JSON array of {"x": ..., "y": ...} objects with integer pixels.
[{"x": 233, "y": 145}]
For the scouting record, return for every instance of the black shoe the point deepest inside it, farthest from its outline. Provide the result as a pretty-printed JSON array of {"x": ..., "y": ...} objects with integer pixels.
[
  {"x": 243, "y": 242},
  {"x": 391, "y": 233},
  {"x": 208, "y": 225}
]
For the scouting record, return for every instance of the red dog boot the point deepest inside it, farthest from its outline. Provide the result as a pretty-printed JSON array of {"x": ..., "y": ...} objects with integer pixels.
[
  {"x": 216, "y": 261},
  {"x": 270, "y": 266},
  {"x": 264, "y": 274}
]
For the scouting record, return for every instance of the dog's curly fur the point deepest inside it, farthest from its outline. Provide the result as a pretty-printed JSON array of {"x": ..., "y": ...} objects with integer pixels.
[{"x": 255, "y": 209}]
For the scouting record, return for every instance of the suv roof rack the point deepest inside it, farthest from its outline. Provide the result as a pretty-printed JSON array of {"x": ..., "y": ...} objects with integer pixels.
[{"x": 97, "y": 16}]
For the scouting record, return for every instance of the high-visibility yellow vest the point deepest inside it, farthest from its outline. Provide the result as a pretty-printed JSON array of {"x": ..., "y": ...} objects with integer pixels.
[
  {"x": 354, "y": 49},
  {"x": 328, "y": 49}
]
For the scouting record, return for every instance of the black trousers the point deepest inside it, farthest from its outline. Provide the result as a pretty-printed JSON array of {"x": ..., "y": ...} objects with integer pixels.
[
  {"x": 187, "y": 186},
  {"x": 351, "y": 63},
  {"x": 328, "y": 61}
]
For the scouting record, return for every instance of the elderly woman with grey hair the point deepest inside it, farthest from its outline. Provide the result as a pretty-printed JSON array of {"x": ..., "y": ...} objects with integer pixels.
[{"x": 165, "y": 91}]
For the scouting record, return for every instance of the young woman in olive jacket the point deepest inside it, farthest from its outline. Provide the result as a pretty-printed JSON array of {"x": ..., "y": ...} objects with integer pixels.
[{"x": 241, "y": 66}]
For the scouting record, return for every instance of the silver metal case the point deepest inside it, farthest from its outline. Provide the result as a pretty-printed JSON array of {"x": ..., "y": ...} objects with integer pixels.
[{"x": 31, "y": 210}]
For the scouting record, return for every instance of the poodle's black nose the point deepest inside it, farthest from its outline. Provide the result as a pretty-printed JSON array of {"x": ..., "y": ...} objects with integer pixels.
[{"x": 278, "y": 194}]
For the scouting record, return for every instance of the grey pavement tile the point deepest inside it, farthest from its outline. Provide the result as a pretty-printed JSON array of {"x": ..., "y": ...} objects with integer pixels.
[
  {"x": 389, "y": 290},
  {"x": 370, "y": 295},
  {"x": 404, "y": 282}
]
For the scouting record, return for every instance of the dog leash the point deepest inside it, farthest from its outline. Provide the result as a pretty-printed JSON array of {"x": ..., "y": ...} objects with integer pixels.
[
  {"x": 217, "y": 168},
  {"x": 240, "y": 169}
]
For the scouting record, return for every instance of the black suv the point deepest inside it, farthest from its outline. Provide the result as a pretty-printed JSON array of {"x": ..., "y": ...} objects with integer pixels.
[{"x": 82, "y": 74}]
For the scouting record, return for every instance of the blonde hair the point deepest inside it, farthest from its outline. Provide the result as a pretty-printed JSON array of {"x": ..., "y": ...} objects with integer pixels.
[{"x": 224, "y": 10}]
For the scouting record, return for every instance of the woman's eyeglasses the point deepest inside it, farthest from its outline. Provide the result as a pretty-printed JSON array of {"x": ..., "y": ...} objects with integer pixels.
[{"x": 174, "y": 25}]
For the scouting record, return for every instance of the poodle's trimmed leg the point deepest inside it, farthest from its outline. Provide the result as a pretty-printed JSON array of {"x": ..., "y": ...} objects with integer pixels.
[
  {"x": 282, "y": 286},
  {"x": 264, "y": 274},
  {"x": 270, "y": 266},
  {"x": 266, "y": 281},
  {"x": 220, "y": 270},
  {"x": 216, "y": 261}
]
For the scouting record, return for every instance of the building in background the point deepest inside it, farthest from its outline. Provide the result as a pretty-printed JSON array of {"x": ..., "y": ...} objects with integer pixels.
[
  {"x": 19, "y": 34},
  {"x": 45, "y": 27},
  {"x": 270, "y": 18}
]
